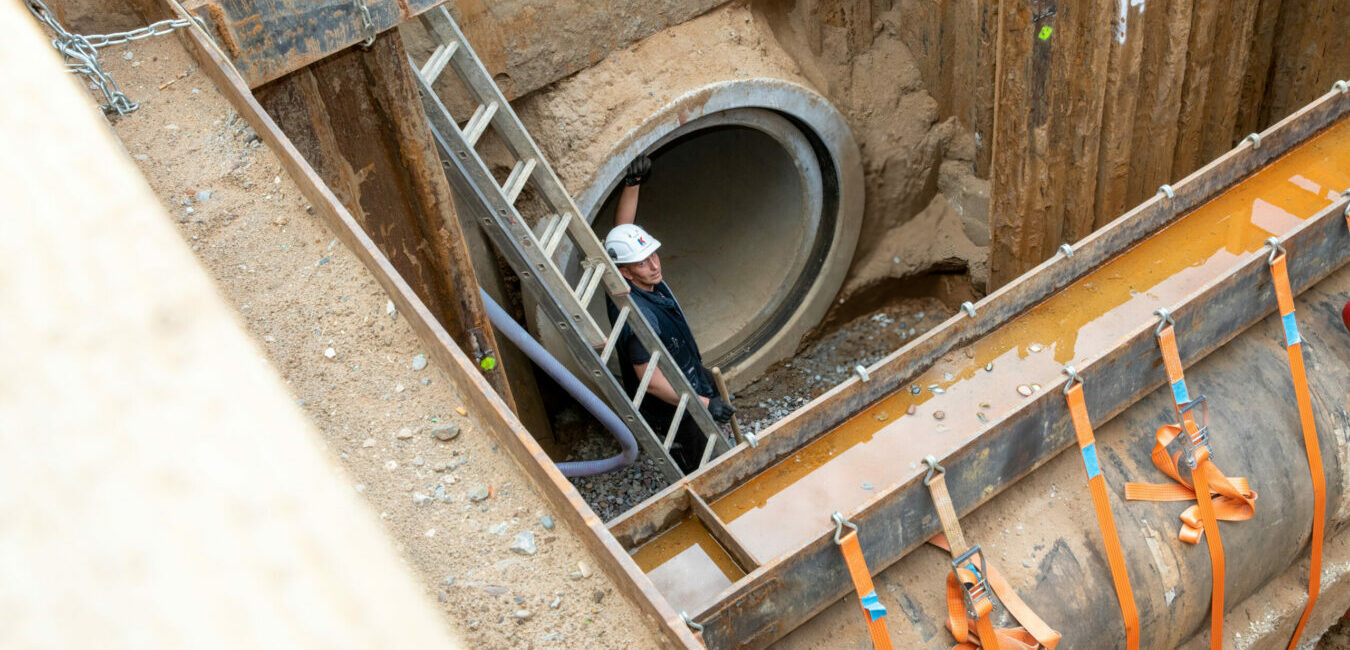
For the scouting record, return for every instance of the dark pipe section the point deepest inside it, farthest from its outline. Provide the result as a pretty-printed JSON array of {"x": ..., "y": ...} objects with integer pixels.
[{"x": 521, "y": 339}]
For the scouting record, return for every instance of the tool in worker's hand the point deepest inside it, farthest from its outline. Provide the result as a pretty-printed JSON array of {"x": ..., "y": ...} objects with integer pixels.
[{"x": 726, "y": 397}]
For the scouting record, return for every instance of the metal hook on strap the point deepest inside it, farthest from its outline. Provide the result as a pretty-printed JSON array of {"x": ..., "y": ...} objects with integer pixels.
[
  {"x": 1254, "y": 138},
  {"x": 684, "y": 616},
  {"x": 1168, "y": 191},
  {"x": 934, "y": 469},
  {"x": 1342, "y": 86},
  {"x": 969, "y": 308},
  {"x": 1073, "y": 378},
  {"x": 1066, "y": 249},
  {"x": 839, "y": 524},
  {"x": 1164, "y": 319},
  {"x": 1275, "y": 250}
]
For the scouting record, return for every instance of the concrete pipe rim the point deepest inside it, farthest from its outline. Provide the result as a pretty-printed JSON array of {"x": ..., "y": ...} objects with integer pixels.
[{"x": 841, "y": 176}]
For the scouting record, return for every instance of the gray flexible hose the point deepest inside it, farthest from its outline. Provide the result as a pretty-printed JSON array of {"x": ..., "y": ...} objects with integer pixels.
[{"x": 541, "y": 357}]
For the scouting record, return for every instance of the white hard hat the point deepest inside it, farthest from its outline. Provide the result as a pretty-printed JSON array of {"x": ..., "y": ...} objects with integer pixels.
[{"x": 630, "y": 243}]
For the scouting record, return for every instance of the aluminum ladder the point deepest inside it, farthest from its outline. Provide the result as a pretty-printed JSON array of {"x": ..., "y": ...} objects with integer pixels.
[{"x": 531, "y": 252}]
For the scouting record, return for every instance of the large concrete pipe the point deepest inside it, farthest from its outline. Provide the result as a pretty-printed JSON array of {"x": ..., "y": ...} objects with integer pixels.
[
  {"x": 1043, "y": 535},
  {"x": 757, "y": 188}
]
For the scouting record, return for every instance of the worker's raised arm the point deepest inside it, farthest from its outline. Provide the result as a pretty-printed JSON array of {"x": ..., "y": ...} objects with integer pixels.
[{"x": 638, "y": 170}]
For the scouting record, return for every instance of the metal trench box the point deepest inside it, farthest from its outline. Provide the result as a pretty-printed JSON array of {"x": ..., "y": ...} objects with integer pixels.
[{"x": 780, "y": 593}]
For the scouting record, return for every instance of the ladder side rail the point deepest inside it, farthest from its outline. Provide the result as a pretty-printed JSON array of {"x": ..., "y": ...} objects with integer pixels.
[
  {"x": 474, "y": 74},
  {"x": 518, "y": 239},
  {"x": 585, "y": 355}
]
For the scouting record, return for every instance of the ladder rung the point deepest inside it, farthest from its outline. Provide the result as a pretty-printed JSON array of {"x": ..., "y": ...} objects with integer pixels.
[
  {"x": 585, "y": 297},
  {"x": 708, "y": 449},
  {"x": 646, "y": 379},
  {"x": 675, "y": 421},
  {"x": 515, "y": 183},
  {"x": 585, "y": 280},
  {"x": 478, "y": 122},
  {"x": 435, "y": 65},
  {"x": 614, "y": 335},
  {"x": 556, "y": 238},
  {"x": 545, "y": 228}
]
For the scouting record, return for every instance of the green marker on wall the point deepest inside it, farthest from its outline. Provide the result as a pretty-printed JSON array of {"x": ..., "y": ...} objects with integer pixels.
[{"x": 1045, "y": 33}]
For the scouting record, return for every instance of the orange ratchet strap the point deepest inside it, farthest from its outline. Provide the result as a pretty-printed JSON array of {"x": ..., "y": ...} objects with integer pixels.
[
  {"x": 1087, "y": 445},
  {"x": 968, "y": 586},
  {"x": 862, "y": 581},
  {"x": 1294, "y": 346},
  {"x": 1216, "y": 496}
]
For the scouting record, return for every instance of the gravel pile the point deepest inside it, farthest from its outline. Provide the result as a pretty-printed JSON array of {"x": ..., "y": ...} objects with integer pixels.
[{"x": 612, "y": 494}]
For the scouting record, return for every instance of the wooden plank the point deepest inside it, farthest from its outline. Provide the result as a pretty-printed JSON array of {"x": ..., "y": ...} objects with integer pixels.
[
  {"x": 719, "y": 532},
  {"x": 1080, "y": 59},
  {"x": 1166, "y": 33},
  {"x": 1235, "y": 26},
  {"x": 357, "y": 118},
  {"x": 1195, "y": 91},
  {"x": 266, "y": 39},
  {"x": 1122, "y": 89},
  {"x": 1257, "y": 75},
  {"x": 496, "y": 418},
  {"x": 1009, "y": 168}
]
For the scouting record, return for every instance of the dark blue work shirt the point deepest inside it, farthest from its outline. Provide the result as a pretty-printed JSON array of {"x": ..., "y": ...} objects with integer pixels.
[{"x": 665, "y": 316}]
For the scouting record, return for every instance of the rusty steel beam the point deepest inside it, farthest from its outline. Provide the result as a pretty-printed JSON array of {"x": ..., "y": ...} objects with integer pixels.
[
  {"x": 497, "y": 419},
  {"x": 266, "y": 39},
  {"x": 791, "y": 588}
]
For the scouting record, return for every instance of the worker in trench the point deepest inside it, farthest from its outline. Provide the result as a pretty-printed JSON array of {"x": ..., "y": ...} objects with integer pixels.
[{"x": 633, "y": 250}]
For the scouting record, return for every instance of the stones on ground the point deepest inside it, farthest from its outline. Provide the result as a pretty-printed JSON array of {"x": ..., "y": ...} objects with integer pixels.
[
  {"x": 391, "y": 465},
  {"x": 404, "y": 434},
  {"x": 330, "y": 353},
  {"x": 445, "y": 432},
  {"x": 1035, "y": 347},
  {"x": 524, "y": 544},
  {"x": 1024, "y": 390},
  {"x": 421, "y": 499},
  {"x": 866, "y": 485},
  {"x": 982, "y": 418},
  {"x": 556, "y": 602},
  {"x": 418, "y": 461},
  {"x": 495, "y": 591},
  {"x": 128, "y": 55},
  {"x": 915, "y": 389},
  {"x": 911, "y": 410},
  {"x": 448, "y": 581},
  {"x": 478, "y": 493},
  {"x": 597, "y": 596},
  {"x": 939, "y": 415},
  {"x": 523, "y": 614},
  {"x": 499, "y": 529},
  {"x": 989, "y": 367},
  {"x": 368, "y": 443},
  {"x": 460, "y": 410},
  {"x": 203, "y": 196},
  {"x": 389, "y": 308},
  {"x": 547, "y": 522},
  {"x": 584, "y": 569},
  {"x": 419, "y": 362}
]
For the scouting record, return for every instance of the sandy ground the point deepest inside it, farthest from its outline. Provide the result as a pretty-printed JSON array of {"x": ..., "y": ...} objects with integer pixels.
[
  {"x": 353, "y": 366},
  {"x": 1338, "y": 637}
]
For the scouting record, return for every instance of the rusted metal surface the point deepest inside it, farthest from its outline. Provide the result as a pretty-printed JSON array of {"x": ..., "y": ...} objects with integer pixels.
[
  {"x": 265, "y": 40},
  {"x": 357, "y": 119},
  {"x": 809, "y": 577},
  {"x": 899, "y": 519},
  {"x": 887, "y": 375},
  {"x": 496, "y": 418}
]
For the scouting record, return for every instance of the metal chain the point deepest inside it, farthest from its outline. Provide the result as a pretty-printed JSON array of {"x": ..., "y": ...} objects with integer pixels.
[
  {"x": 81, "y": 52},
  {"x": 367, "y": 25}
]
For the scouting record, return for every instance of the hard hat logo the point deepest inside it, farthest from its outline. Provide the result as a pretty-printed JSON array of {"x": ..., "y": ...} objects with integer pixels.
[{"x": 629, "y": 243}]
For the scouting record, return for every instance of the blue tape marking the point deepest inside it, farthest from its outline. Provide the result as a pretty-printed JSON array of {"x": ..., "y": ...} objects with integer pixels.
[
  {"x": 1179, "y": 393},
  {"x": 873, "y": 605},
  {"x": 1291, "y": 330},
  {"x": 1090, "y": 460}
]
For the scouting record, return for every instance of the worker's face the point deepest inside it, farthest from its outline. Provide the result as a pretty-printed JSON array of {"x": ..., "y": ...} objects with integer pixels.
[{"x": 645, "y": 274}]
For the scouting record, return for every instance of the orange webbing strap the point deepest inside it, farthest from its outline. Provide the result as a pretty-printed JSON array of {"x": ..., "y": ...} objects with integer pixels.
[
  {"x": 1234, "y": 501},
  {"x": 1294, "y": 347},
  {"x": 862, "y": 581},
  {"x": 1087, "y": 445},
  {"x": 968, "y": 586}
]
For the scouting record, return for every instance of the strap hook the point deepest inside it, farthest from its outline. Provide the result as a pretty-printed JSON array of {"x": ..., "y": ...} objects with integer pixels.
[
  {"x": 684, "y": 616},
  {"x": 1275, "y": 250},
  {"x": 1073, "y": 378},
  {"x": 1164, "y": 319},
  {"x": 934, "y": 469},
  {"x": 839, "y": 524}
]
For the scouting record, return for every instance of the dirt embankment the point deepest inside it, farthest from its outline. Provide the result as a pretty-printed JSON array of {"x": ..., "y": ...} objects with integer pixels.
[{"x": 453, "y": 503}]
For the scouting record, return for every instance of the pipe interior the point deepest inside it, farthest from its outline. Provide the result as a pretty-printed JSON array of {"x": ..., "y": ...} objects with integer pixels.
[{"x": 737, "y": 209}]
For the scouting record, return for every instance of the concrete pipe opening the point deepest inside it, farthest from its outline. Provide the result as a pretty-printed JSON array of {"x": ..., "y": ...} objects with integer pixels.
[{"x": 757, "y": 207}]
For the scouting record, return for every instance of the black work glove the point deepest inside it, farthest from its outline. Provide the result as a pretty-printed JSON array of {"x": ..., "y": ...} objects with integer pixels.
[
  {"x": 638, "y": 171},
  {"x": 720, "y": 410}
]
